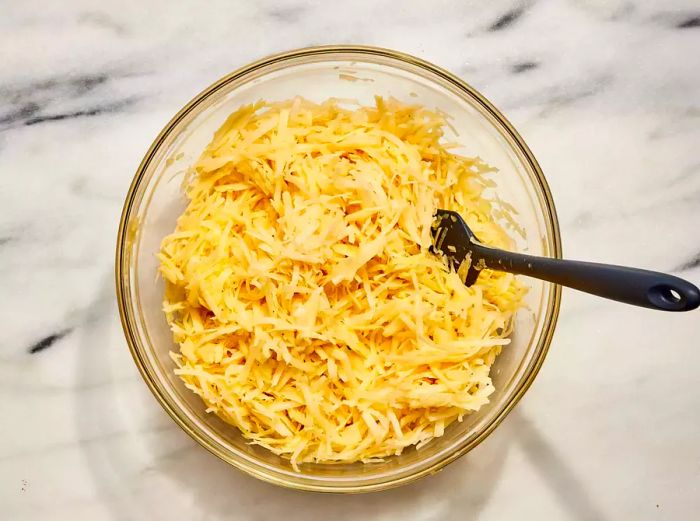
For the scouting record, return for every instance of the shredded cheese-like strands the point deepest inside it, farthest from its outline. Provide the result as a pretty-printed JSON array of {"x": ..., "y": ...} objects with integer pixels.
[{"x": 300, "y": 288}]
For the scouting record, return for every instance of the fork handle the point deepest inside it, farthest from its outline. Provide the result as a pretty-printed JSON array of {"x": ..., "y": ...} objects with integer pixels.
[{"x": 649, "y": 289}]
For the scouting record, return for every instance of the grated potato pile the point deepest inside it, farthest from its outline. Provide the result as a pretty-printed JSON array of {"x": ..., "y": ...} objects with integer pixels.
[{"x": 300, "y": 288}]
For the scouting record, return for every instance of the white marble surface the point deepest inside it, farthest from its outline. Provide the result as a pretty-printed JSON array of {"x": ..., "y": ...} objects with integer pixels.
[{"x": 607, "y": 93}]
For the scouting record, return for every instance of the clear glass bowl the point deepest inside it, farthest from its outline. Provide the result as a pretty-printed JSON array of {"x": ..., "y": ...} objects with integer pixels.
[{"x": 155, "y": 200}]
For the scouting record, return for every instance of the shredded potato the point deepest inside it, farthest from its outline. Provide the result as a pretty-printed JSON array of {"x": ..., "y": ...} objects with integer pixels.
[{"x": 308, "y": 309}]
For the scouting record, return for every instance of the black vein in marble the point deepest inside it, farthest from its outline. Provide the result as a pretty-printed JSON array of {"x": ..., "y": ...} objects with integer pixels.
[
  {"x": 33, "y": 115},
  {"x": 689, "y": 23},
  {"x": 48, "y": 341},
  {"x": 519, "y": 67},
  {"x": 692, "y": 263},
  {"x": 93, "y": 111},
  {"x": 21, "y": 113},
  {"x": 30, "y": 104},
  {"x": 507, "y": 19}
]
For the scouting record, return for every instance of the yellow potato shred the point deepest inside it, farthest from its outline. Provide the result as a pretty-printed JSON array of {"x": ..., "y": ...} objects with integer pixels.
[{"x": 300, "y": 289}]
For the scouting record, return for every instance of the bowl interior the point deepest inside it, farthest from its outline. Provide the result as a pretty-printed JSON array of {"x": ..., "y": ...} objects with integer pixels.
[{"x": 156, "y": 200}]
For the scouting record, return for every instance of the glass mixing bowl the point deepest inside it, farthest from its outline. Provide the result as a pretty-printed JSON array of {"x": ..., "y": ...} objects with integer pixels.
[{"x": 156, "y": 199}]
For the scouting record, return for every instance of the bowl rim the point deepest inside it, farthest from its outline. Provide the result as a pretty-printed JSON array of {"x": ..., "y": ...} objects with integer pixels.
[{"x": 125, "y": 234}]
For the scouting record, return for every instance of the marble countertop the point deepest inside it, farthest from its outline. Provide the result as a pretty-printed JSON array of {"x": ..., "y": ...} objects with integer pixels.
[{"x": 607, "y": 94}]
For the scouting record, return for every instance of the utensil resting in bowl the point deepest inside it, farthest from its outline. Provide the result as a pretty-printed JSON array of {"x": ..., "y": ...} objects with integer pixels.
[{"x": 650, "y": 289}]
